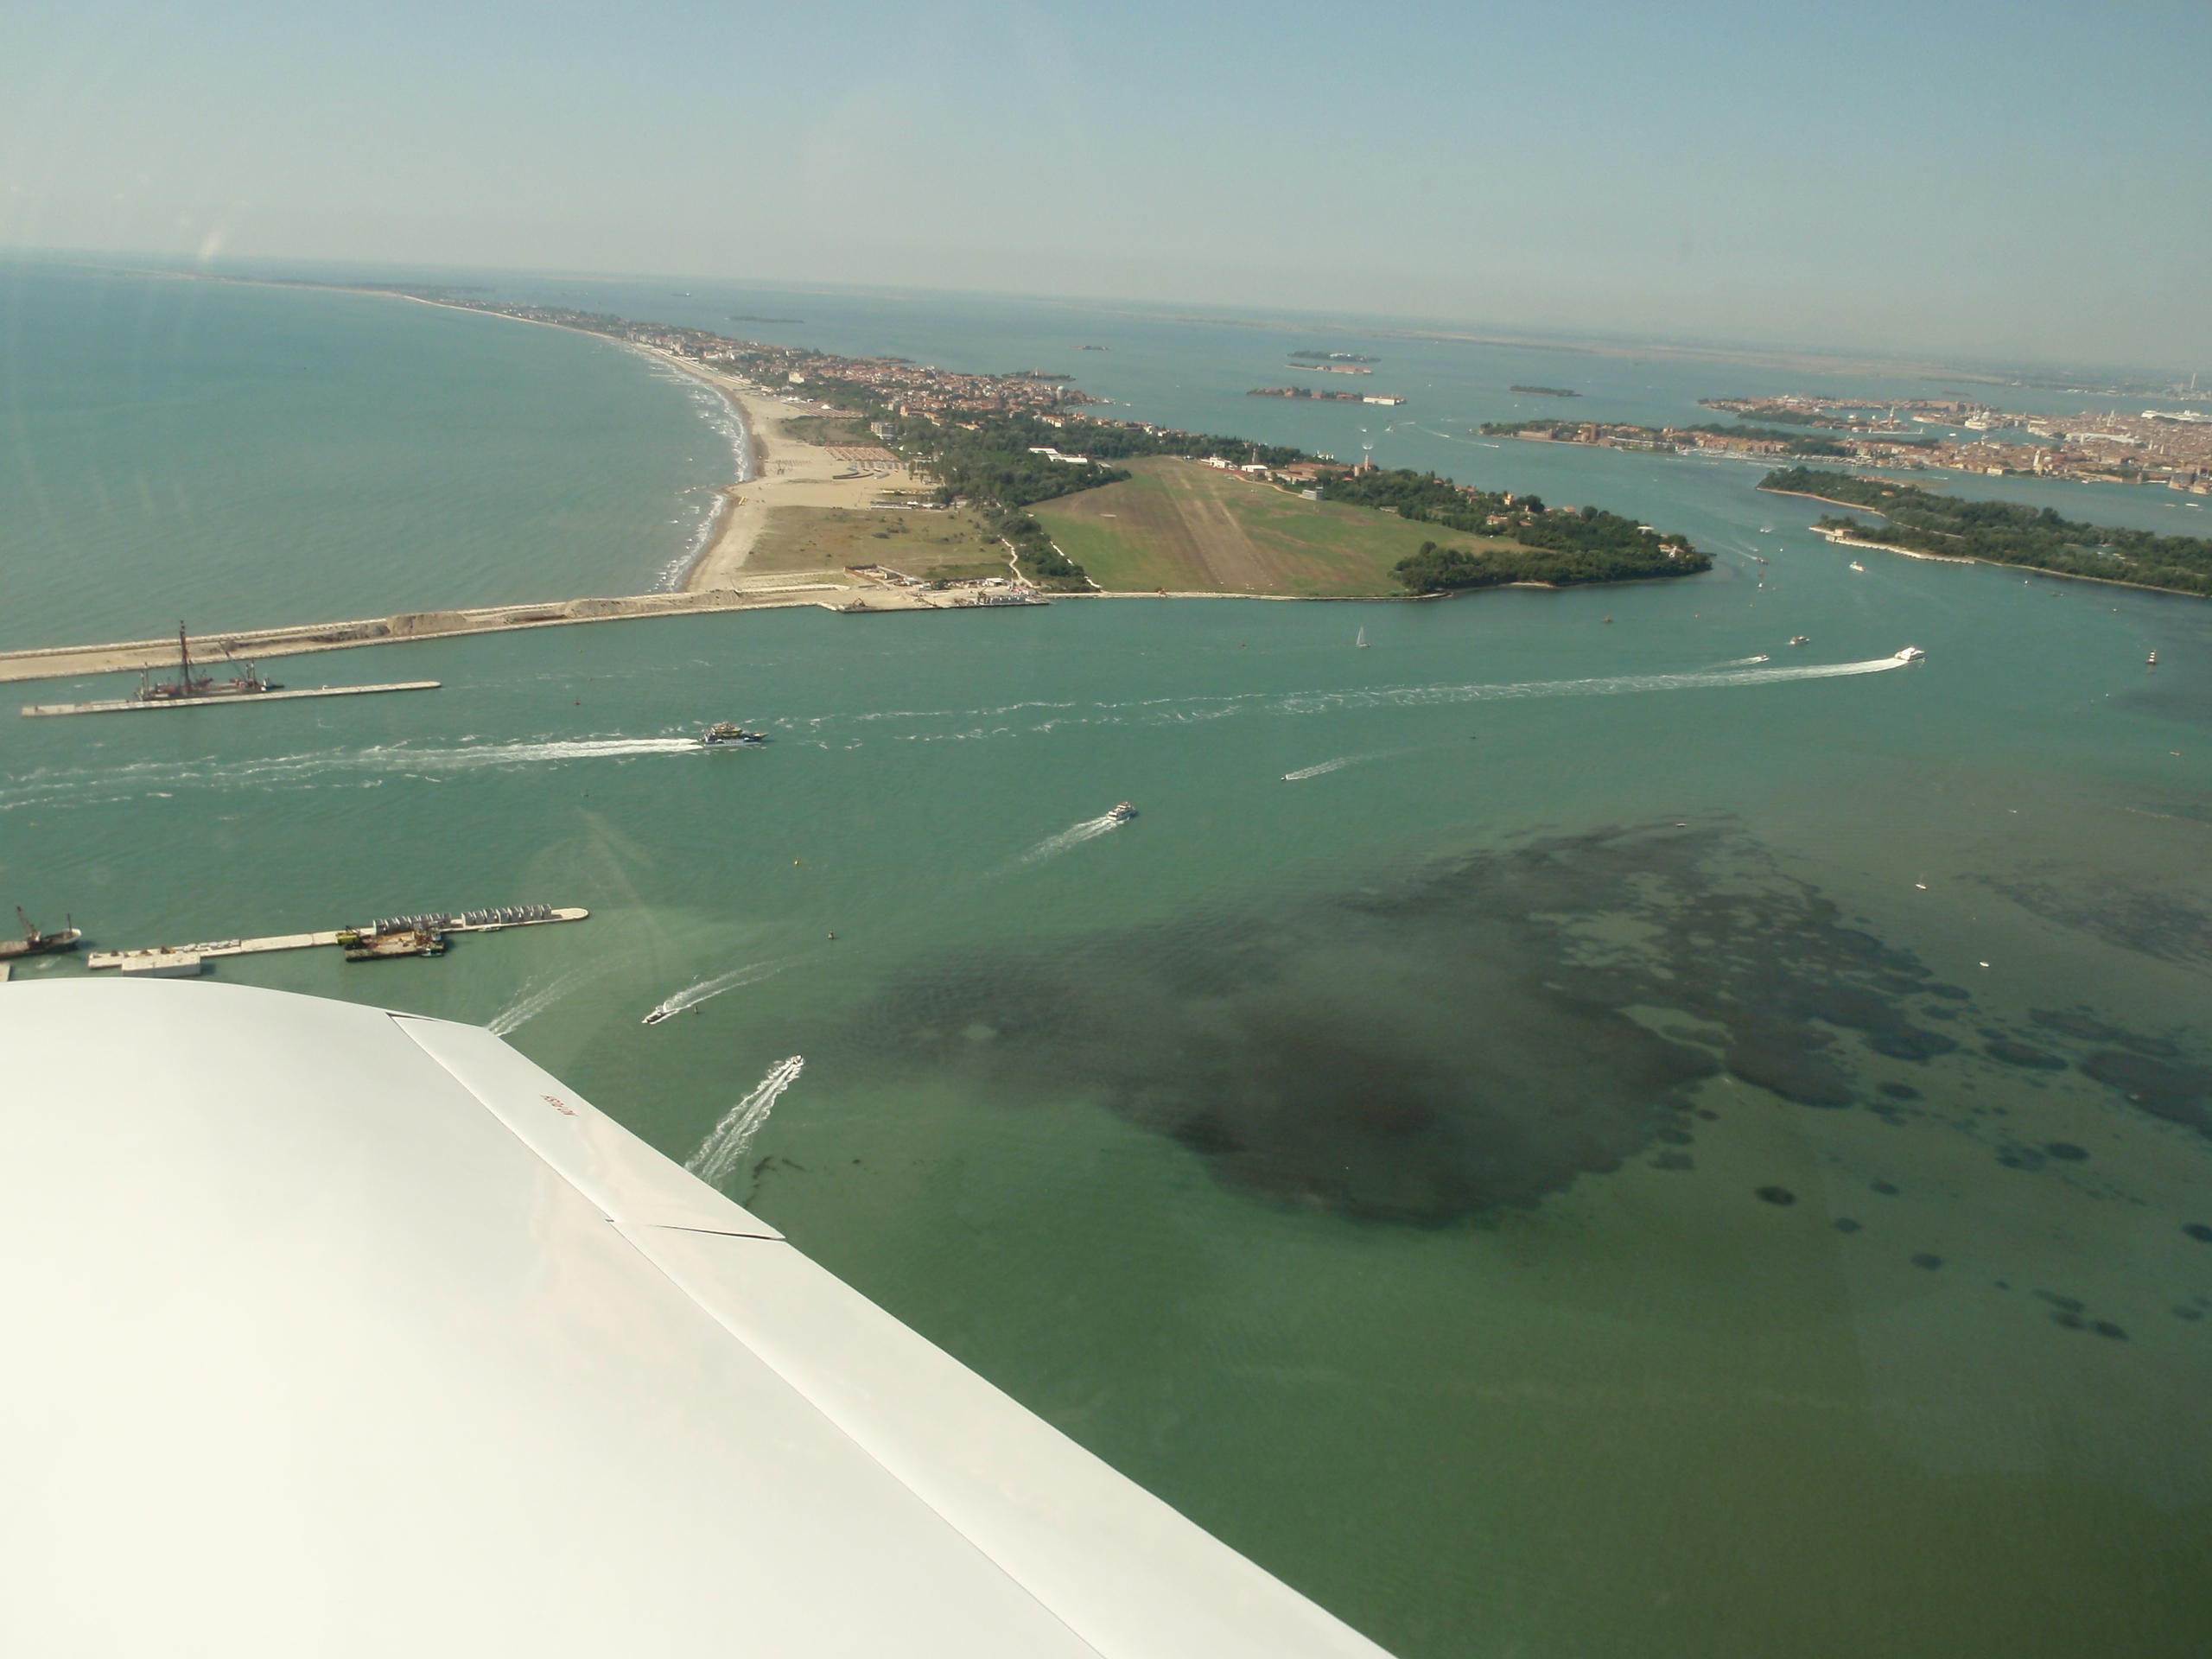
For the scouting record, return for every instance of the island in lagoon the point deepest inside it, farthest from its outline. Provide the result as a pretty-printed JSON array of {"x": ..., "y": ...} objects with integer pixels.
[
  {"x": 1737, "y": 440},
  {"x": 990, "y": 488},
  {"x": 1544, "y": 391},
  {"x": 1928, "y": 525},
  {"x": 989, "y": 451}
]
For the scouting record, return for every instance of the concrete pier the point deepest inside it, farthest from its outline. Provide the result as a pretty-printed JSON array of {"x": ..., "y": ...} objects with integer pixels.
[
  {"x": 154, "y": 959},
  {"x": 132, "y": 706}
]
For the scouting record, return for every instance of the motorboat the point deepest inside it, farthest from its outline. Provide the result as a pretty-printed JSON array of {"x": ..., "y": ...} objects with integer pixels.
[
  {"x": 1123, "y": 813},
  {"x": 721, "y": 734},
  {"x": 2152, "y": 659},
  {"x": 1801, "y": 639},
  {"x": 1762, "y": 657},
  {"x": 1860, "y": 567},
  {"x": 1912, "y": 654}
]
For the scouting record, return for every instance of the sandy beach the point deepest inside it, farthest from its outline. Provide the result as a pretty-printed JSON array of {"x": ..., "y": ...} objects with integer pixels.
[{"x": 785, "y": 473}]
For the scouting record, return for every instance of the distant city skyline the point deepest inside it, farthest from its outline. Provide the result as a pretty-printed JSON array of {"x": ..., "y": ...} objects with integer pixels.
[{"x": 2023, "y": 183}]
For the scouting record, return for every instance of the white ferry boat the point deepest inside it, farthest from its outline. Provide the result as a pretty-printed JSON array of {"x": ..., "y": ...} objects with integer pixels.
[
  {"x": 1912, "y": 654},
  {"x": 1123, "y": 813}
]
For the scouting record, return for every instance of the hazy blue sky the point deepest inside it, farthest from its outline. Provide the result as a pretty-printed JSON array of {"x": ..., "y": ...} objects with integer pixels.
[{"x": 2025, "y": 180}]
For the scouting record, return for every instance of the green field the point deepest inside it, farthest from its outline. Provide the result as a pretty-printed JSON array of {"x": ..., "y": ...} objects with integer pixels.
[
  {"x": 933, "y": 546},
  {"x": 1189, "y": 528}
]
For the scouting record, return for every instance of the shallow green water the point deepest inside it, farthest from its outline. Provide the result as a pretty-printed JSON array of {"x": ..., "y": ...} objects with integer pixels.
[{"x": 1364, "y": 1146}]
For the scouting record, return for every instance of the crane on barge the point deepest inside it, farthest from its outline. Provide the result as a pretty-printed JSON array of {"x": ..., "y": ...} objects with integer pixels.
[{"x": 188, "y": 685}]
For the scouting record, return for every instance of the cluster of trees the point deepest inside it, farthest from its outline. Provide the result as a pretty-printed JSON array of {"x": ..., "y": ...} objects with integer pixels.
[
  {"x": 2004, "y": 532},
  {"x": 1524, "y": 519},
  {"x": 1436, "y": 569},
  {"x": 1563, "y": 547}
]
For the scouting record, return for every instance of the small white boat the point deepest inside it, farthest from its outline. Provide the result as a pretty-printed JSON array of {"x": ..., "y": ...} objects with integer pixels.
[
  {"x": 2152, "y": 659},
  {"x": 1912, "y": 654},
  {"x": 1361, "y": 641},
  {"x": 1860, "y": 567},
  {"x": 1762, "y": 657},
  {"x": 1123, "y": 813},
  {"x": 1801, "y": 639}
]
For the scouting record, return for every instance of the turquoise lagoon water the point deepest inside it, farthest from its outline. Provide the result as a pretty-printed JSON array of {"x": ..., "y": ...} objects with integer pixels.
[{"x": 1379, "y": 1147}]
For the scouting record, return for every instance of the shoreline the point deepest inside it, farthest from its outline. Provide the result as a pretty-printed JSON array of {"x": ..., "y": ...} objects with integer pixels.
[
  {"x": 676, "y": 576},
  {"x": 716, "y": 560}
]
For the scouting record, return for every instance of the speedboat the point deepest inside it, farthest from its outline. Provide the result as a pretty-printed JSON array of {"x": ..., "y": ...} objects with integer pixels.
[
  {"x": 1123, "y": 813},
  {"x": 1762, "y": 657},
  {"x": 1860, "y": 567},
  {"x": 1801, "y": 639},
  {"x": 722, "y": 733},
  {"x": 1912, "y": 654}
]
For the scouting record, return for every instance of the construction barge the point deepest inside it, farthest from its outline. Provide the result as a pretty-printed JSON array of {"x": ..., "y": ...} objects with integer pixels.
[
  {"x": 390, "y": 936},
  {"x": 190, "y": 691}
]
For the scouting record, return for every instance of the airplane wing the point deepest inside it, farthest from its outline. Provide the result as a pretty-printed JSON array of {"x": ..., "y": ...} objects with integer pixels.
[{"x": 332, "y": 1331}]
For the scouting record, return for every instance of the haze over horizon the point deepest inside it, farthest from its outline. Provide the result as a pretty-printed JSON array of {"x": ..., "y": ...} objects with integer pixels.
[{"x": 2024, "y": 183}]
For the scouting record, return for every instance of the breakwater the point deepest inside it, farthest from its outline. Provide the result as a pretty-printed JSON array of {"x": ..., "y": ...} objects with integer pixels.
[{"x": 132, "y": 655}]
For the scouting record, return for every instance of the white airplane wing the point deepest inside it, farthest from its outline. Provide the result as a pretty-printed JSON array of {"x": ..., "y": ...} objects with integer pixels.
[{"x": 336, "y": 1331}]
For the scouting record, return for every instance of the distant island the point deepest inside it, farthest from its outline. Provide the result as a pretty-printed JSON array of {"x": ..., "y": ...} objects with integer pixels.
[
  {"x": 1999, "y": 532},
  {"x": 1544, "y": 391},
  {"x": 1326, "y": 397},
  {"x": 1331, "y": 357},
  {"x": 1680, "y": 439}
]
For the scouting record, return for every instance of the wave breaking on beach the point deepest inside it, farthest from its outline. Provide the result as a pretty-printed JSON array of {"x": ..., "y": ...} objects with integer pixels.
[{"x": 722, "y": 413}]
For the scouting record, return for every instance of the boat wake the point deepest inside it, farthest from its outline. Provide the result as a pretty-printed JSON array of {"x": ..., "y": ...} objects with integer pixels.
[
  {"x": 1075, "y": 835},
  {"x": 727, "y": 1142},
  {"x": 1337, "y": 765},
  {"x": 318, "y": 769},
  {"x": 692, "y": 995},
  {"x": 532, "y": 1000},
  {"x": 1409, "y": 696},
  {"x": 475, "y": 756}
]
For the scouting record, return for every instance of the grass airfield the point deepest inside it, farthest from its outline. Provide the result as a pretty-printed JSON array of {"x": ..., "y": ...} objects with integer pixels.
[{"x": 1189, "y": 528}]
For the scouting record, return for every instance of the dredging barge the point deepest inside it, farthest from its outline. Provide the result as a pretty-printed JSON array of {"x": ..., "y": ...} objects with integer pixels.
[
  {"x": 388, "y": 937},
  {"x": 36, "y": 944}
]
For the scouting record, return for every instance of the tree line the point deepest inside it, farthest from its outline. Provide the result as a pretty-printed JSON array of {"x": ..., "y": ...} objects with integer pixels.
[{"x": 2003, "y": 532}]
